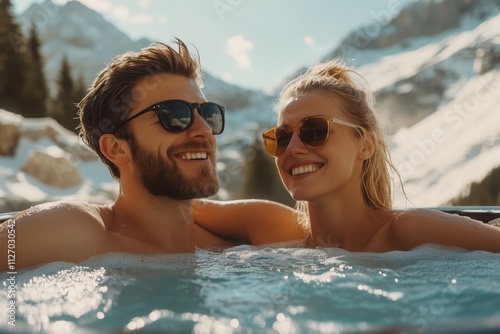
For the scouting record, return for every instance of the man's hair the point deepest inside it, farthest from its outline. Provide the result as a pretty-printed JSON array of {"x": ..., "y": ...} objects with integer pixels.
[{"x": 116, "y": 90}]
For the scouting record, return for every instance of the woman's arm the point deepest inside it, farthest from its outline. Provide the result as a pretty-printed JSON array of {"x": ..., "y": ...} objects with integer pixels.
[
  {"x": 423, "y": 226},
  {"x": 254, "y": 221}
]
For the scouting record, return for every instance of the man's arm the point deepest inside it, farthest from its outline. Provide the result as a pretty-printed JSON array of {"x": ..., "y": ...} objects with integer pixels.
[
  {"x": 49, "y": 232},
  {"x": 254, "y": 221},
  {"x": 423, "y": 226}
]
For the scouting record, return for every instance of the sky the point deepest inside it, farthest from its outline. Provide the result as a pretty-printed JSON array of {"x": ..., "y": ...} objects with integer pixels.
[{"x": 251, "y": 43}]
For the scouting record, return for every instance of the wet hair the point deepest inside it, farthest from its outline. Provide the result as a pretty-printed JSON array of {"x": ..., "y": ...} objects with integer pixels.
[
  {"x": 355, "y": 102},
  {"x": 116, "y": 90}
]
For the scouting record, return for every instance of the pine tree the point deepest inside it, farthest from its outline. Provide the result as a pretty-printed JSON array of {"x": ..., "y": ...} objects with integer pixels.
[
  {"x": 485, "y": 192},
  {"x": 262, "y": 179},
  {"x": 12, "y": 60},
  {"x": 64, "y": 105},
  {"x": 78, "y": 94},
  {"x": 36, "y": 91},
  {"x": 80, "y": 90}
]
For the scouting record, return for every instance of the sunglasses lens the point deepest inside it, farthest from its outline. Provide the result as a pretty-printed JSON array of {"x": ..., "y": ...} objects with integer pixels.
[
  {"x": 314, "y": 131},
  {"x": 270, "y": 141},
  {"x": 213, "y": 115},
  {"x": 175, "y": 116},
  {"x": 282, "y": 140}
]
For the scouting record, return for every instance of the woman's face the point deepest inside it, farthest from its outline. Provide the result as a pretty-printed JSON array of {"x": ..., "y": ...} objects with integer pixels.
[{"x": 332, "y": 169}]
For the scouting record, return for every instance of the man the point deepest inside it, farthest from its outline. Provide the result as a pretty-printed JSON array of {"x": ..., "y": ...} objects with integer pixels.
[{"x": 147, "y": 119}]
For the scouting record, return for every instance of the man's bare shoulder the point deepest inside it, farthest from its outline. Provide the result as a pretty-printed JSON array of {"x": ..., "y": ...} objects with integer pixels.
[
  {"x": 58, "y": 231},
  {"x": 62, "y": 214}
]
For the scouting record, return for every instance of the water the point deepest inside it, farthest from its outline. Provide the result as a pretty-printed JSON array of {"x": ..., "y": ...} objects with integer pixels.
[{"x": 266, "y": 290}]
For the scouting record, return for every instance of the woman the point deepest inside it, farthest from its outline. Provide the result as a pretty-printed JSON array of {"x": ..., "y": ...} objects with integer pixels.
[{"x": 332, "y": 158}]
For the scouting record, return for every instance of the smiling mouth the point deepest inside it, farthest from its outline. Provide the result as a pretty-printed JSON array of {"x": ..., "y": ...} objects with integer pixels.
[
  {"x": 193, "y": 156},
  {"x": 304, "y": 169}
]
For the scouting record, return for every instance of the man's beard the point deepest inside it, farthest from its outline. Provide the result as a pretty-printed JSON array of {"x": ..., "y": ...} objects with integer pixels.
[{"x": 166, "y": 180}]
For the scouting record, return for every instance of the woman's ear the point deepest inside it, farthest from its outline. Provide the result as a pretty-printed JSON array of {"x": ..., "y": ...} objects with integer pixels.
[
  {"x": 368, "y": 146},
  {"x": 114, "y": 149}
]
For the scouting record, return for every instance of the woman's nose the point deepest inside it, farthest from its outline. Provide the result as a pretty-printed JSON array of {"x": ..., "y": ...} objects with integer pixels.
[{"x": 296, "y": 146}]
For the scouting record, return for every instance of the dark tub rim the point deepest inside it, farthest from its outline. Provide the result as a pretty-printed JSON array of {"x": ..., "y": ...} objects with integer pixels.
[{"x": 482, "y": 213}]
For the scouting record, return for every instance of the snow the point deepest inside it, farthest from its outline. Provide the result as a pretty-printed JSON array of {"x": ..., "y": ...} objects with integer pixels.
[
  {"x": 98, "y": 186},
  {"x": 388, "y": 65},
  {"x": 460, "y": 142},
  {"x": 457, "y": 145}
]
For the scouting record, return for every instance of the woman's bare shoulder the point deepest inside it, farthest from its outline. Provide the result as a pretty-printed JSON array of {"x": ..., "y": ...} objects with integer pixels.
[
  {"x": 423, "y": 216},
  {"x": 415, "y": 227}
]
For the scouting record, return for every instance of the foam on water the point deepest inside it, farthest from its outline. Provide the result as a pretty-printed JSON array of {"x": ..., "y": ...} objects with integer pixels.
[{"x": 246, "y": 288}]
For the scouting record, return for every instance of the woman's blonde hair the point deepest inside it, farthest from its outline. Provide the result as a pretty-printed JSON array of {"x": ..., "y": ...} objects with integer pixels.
[{"x": 356, "y": 103}]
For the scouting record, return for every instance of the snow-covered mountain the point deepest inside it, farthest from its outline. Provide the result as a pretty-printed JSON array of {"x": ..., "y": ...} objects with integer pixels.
[
  {"x": 448, "y": 76},
  {"x": 89, "y": 42},
  {"x": 457, "y": 145},
  {"x": 80, "y": 34},
  {"x": 407, "y": 82},
  {"x": 433, "y": 68}
]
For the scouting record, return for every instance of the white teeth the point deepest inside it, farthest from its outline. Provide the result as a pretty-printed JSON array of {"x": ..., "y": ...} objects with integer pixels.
[
  {"x": 304, "y": 169},
  {"x": 194, "y": 156}
]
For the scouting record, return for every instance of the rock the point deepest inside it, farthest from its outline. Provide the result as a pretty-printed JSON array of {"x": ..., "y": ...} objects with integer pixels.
[
  {"x": 487, "y": 57},
  {"x": 37, "y": 128},
  {"x": 10, "y": 132},
  {"x": 53, "y": 167}
]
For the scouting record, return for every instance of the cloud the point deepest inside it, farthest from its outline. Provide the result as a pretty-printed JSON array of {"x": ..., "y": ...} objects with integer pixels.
[
  {"x": 141, "y": 19},
  {"x": 309, "y": 41},
  {"x": 97, "y": 5},
  {"x": 227, "y": 77},
  {"x": 237, "y": 47},
  {"x": 121, "y": 13},
  {"x": 144, "y": 3}
]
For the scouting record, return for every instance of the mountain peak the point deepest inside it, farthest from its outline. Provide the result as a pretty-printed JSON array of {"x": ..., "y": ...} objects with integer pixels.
[
  {"x": 80, "y": 34},
  {"x": 39, "y": 14},
  {"x": 89, "y": 42},
  {"x": 417, "y": 19}
]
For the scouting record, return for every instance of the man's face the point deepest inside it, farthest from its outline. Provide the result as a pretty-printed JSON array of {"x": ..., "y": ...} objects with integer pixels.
[{"x": 174, "y": 165}]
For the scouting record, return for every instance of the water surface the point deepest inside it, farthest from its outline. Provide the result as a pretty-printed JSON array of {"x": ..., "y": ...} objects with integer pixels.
[{"x": 267, "y": 290}]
